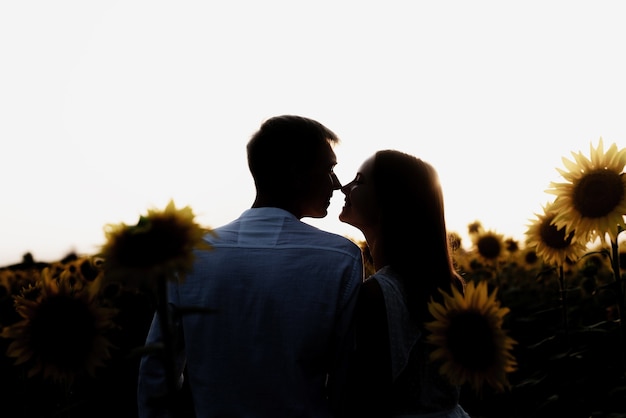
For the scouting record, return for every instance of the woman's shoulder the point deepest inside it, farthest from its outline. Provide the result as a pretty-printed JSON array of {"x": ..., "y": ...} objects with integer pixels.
[
  {"x": 387, "y": 280},
  {"x": 371, "y": 293}
]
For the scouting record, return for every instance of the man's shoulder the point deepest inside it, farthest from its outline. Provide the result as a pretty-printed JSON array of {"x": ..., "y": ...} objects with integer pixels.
[
  {"x": 332, "y": 238},
  {"x": 294, "y": 232}
]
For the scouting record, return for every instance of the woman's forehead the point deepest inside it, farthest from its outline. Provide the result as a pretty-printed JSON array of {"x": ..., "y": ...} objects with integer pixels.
[{"x": 367, "y": 166}]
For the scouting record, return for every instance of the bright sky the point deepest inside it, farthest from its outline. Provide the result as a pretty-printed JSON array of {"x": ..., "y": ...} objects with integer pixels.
[{"x": 109, "y": 108}]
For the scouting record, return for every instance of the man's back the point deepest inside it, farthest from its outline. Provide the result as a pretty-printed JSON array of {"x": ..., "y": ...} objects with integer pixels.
[{"x": 284, "y": 292}]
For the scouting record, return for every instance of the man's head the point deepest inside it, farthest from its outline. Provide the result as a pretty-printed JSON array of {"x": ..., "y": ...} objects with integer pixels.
[{"x": 291, "y": 159}]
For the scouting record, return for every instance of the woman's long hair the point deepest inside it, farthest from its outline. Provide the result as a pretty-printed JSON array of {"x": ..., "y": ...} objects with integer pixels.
[{"x": 414, "y": 237}]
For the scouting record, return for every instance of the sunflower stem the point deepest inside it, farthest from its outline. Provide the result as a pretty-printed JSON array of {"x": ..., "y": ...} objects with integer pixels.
[
  {"x": 496, "y": 275},
  {"x": 563, "y": 292},
  {"x": 621, "y": 301}
]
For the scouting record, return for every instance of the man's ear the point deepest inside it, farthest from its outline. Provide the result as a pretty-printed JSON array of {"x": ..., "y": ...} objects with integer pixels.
[{"x": 295, "y": 176}]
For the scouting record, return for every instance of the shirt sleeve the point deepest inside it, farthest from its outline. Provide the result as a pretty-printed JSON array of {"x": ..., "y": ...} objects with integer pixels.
[{"x": 344, "y": 335}]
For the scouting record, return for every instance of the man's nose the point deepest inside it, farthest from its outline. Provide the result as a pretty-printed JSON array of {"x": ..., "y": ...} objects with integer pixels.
[
  {"x": 345, "y": 189},
  {"x": 336, "y": 182}
]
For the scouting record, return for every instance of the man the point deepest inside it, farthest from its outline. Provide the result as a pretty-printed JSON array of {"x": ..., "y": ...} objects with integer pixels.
[{"x": 284, "y": 293}]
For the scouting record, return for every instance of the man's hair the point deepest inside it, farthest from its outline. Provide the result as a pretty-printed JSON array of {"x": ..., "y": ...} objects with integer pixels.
[{"x": 285, "y": 146}]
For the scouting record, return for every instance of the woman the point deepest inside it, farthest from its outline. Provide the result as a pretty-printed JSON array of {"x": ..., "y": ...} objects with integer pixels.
[{"x": 397, "y": 202}]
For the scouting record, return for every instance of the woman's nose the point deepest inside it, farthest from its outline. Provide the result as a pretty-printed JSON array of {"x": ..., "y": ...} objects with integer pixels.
[{"x": 346, "y": 189}]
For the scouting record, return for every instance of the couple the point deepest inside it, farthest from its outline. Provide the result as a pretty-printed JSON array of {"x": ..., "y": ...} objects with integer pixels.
[{"x": 297, "y": 332}]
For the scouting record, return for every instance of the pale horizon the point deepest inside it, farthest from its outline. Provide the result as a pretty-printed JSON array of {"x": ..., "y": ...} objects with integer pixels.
[{"x": 111, "y": 108}]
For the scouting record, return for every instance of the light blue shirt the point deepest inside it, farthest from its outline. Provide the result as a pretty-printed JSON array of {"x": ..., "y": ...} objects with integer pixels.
[{"x": 279, "y": 343}]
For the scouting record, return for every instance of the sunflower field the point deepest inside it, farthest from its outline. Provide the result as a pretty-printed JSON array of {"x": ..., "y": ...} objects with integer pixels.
[{"x": 539, "y": 332}]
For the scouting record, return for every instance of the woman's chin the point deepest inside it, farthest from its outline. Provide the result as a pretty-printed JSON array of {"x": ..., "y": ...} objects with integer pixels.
[{"x": 344, "y": 218}]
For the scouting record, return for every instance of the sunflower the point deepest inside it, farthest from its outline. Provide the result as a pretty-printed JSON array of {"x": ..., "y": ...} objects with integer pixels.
[
  {"x": 161, "y": 244},
  {"x": 5, "y": 283},
  {"x": 469, "y": 339},
  {"x": 529, "y": 258},
  {"x": 475, "y": 228},
  {"x": 8, "y": 315},
  {"x": 551, "y": 242},
  {"x": 79, "y": 272},
  {"x": 489, "y": 245},
  {"x": 62, "y": 333},
  {"x": 593, "y": 200},
  {"x": 19, "y": 278},
  {"x": 455, "y": 241},
  {"x": 511, "y": 245}
]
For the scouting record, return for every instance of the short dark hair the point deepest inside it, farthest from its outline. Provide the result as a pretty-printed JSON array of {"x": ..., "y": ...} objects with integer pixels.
[{"x": 285, "y": 144}]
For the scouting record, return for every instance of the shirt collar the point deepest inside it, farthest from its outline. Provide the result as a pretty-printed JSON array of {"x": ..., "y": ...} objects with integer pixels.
[{"x": 267, "y": 212}]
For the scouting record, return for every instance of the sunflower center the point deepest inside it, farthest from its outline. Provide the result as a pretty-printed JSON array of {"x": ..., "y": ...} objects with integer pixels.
[
  {"x": 598, "y": 193},
  {"x": 471, "y": 340},
  {"x": 156, "y": 241},
  {"x": 62, "y": 332},
  {"x": 553, "y": 237},
  {"x": 89, "y": 271},
  {"x": 489, "y": 247},
  {"x": 531, "y": 257}
]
